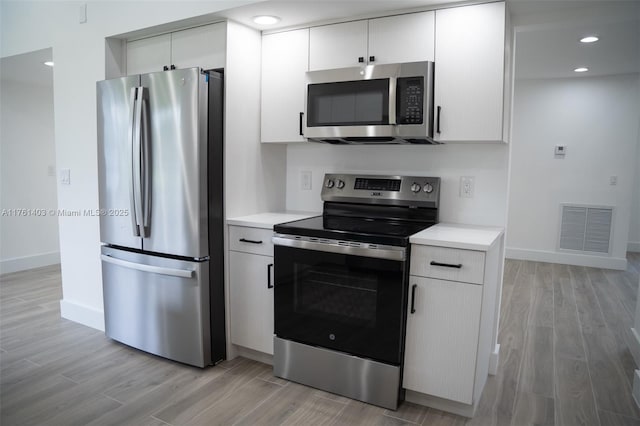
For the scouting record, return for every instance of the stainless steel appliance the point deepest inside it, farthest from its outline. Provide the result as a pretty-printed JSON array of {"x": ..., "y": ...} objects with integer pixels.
[
  {"x": 373, "y": 104},
  {"x": 341, "y": 285},
  {"x": 160, "y": 167}
]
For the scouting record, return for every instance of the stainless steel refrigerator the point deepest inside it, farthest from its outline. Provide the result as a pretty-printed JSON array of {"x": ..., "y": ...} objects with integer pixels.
[{"x": 160, "y": 160}]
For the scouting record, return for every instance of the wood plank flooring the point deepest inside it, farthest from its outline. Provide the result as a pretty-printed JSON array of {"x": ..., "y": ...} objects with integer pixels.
[{"x": 563, "y": 361}]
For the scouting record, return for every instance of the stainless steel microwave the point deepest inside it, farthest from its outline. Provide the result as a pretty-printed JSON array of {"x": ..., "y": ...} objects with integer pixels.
[{"x": 373, "y": 104}]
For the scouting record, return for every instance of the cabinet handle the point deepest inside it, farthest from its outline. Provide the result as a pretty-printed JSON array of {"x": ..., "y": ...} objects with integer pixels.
[
  {"x": 372, "y": 58},
  {"x": 361, "y": 59},
  {"x": 173, "y": 67},
  {"x": 447, "y": 265},
  {"x": 438, "y": 120},
  {"x": 269, "y": 266},
  {"x": 413, "y": 298},
  {"x": 165, "y": 68},
  {"x": 301, "y": 115},
  {"x": 244, "y": 240}
]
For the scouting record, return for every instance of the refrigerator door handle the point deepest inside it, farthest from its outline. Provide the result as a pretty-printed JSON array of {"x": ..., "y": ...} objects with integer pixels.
[
  {"x": 132, "y": 197},
  {"x": 183, "y": 273},
  {"x": 146, "y": 163},
  {"x": 137, "y": 161}
]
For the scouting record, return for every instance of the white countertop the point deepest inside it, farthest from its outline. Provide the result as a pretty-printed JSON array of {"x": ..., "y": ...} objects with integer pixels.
[
  {"x": 454, "y": 235},
  {"x": 267, "y": 220}
]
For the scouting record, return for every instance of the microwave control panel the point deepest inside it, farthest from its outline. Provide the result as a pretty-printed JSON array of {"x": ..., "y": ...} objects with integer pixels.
[{"x": 410, "y": 100}]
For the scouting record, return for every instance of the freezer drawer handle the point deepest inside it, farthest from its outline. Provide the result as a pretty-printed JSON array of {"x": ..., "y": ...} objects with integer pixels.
[
  {"x": 183, "y": 273},
  {"x": 447, "y": 265}
]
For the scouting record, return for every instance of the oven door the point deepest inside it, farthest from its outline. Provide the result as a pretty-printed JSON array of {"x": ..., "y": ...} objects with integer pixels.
[{"x": 351, "y": 303}]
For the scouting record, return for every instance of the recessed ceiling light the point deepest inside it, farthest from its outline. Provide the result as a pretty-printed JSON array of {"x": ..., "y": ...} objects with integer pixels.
[
  {"x": 581, "y": 69},
  {"x": 49, "y": 63},
  {"x": 266, "y": 19},
  {"x": 589, "y": 39}
]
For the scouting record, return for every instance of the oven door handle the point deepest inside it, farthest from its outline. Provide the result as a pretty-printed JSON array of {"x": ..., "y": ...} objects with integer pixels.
[{"x": 387, "y": 252}]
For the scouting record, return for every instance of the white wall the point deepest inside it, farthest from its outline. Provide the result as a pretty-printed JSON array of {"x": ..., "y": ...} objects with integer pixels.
[
  {"x": 27, "y": 152},
  {"x": 634, "y": 226},
  {"x": 79, "y": 55},
  {"x": 597, "y": 118},
  {"x": 486, "y": 162}
]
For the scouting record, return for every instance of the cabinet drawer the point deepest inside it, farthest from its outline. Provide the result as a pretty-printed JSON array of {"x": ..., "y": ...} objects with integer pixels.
[
  {"x": 438, "y": 262},
  {"x": 251, "y": 240}
]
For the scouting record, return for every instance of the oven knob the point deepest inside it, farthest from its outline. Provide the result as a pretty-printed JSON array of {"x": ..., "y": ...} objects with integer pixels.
[
  {"x": 329, "y": 183},
  {"x": 415, "y": 187},
  {"x": 340, "y": 184},
  {"x": 428, "y": 188}
]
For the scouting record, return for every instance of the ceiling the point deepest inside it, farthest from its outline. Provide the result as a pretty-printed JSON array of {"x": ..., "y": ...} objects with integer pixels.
[
  {"x": 28, "y": 68},
  {"x": 547, "y": 30},
  {"x": 547, "y": 33}
]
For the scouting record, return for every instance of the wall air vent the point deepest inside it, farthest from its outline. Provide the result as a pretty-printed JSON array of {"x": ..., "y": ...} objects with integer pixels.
[{"x": 585, "y": 228}]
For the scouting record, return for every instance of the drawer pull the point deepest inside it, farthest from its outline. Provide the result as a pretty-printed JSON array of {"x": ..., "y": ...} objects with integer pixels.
[
  {"x": 446, "y": 265},
  {"x": 269, "y": 266},
  {"x": 244, "y": 240},
  {"x": 413, "y": 298}
]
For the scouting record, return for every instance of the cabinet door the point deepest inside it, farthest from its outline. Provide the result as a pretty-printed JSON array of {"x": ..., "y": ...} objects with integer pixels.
[
  {"x": 203, "y": 47},
  {"x": 285, "y": 59},
  {"x": 148, "y": 54},
  {"x": 338, "y": 45},
  {"x": 469, "y": 72},
  {"x": 442, "y": 338},
  {"x": 251, "y": 301},
  {"x": 403, "y": 38}
]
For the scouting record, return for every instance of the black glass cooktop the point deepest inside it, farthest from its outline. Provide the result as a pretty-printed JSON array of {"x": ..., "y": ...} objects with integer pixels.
[{"x": 366, "y": 230}]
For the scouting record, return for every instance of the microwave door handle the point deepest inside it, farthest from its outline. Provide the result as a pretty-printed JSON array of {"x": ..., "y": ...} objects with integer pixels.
[{"x": 393, "y": 82}]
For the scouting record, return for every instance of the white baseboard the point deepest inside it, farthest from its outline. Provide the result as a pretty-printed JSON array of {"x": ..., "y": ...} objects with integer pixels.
[
  {"x": 494, "y": 359},
  {"x": 633, "y": 246},
  {"x": 82, "y": 314},
  {"x": 441, "y": 404},
  {"x": 635, "y": 392},
  {"x": 567, "y": 258},
  {"x": 633, "y": 342},
  {"x": 16, "y": 264}
]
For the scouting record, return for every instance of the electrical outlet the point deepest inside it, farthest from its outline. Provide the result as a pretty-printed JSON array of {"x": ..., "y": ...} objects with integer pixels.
[
  {"x": 65, "y": 176},
  {"x": 467, "y": 184},
  {"x": 305, "y": 180},
  {"x": 560, "y": 150},
  {"x": 613, "y": 180},
  {"x": 51, "y": 171}
]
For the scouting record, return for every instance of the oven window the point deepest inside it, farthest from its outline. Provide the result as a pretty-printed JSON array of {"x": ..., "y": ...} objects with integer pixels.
[
  {"x": 348, "y": 103},
  {"x": 349, "y": 303},
  {"x": 336, "y": 293}
]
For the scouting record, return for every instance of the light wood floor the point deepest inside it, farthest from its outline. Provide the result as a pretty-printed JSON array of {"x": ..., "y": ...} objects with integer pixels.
[{"x": 563, "y": 360}]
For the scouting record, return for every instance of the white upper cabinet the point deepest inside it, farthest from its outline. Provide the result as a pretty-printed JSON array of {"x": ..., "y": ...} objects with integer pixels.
[
  {"x": 284, "y": 63},
  {"x": 469, "y": 73},
  {"x": 203, "y": 47},
  {"x": 148, "y": 54},
  {"x": 393, "y": 39},
  {"x": 402, "y": 38},
  {"x": 338, "y": 45}
]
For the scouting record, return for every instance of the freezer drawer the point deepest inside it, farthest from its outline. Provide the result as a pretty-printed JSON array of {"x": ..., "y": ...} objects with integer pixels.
[{"x": 158, "y": 305}]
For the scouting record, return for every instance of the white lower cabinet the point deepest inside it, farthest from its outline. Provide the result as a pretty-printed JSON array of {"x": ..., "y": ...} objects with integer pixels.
[
  {"x": 442, "y": 338},
  {"x": 451, "y": 318},
  {"x": 251, "y": 300}
]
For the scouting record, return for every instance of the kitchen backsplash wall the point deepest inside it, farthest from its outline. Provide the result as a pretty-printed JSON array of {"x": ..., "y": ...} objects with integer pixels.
[{"x": 487, "y": 163}]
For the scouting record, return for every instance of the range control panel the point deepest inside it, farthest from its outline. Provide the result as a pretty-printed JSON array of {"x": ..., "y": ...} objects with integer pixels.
[{"x": 419, "y": 191}]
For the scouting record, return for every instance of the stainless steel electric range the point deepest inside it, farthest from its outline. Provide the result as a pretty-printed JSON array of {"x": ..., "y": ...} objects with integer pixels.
[{"x": 341, "y": 285}]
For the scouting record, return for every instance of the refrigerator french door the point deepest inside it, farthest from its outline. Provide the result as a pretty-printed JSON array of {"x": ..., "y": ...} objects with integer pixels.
[{"x": 161, "y": 201}]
